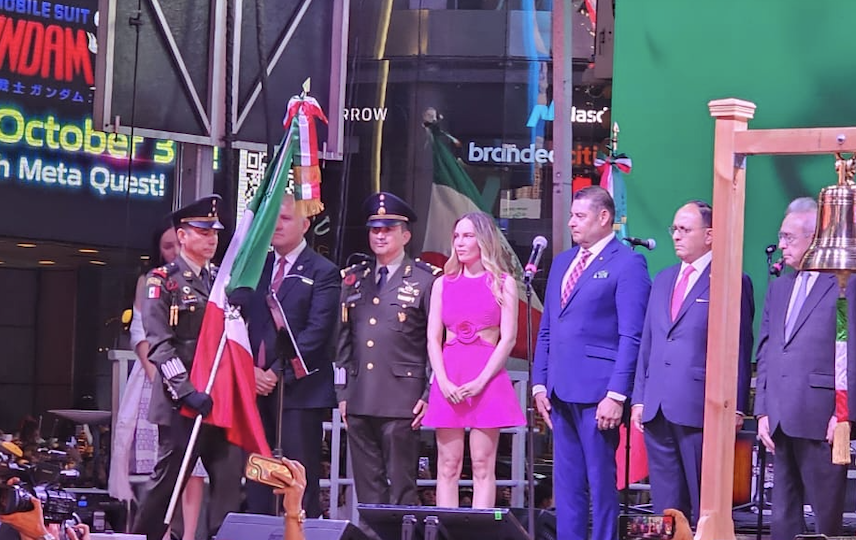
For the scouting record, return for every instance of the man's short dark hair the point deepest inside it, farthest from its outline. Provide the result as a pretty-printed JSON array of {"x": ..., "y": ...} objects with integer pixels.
[
  {"x": 706, "y": 211},
  {"x": 599, "y": 198}
]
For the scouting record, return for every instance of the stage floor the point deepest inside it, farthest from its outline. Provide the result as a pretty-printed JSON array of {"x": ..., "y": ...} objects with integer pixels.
[{"x": 746, "y": 524}]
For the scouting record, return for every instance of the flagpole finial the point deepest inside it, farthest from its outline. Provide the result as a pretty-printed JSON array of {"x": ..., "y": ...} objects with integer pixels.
[{"x": 307, "y": 84}]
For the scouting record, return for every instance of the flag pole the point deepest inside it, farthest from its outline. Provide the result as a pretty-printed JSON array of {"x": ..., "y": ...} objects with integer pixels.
[{"x": 194, "y": 434}]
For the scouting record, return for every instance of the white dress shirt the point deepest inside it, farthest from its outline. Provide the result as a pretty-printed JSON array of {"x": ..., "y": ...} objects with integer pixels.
[
  {"x": 290, "y": 257},
  {"x": 698, "y": 267}
]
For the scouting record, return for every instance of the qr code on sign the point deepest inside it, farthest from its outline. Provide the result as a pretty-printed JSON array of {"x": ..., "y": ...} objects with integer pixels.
[{"x": 251, "y": 170}]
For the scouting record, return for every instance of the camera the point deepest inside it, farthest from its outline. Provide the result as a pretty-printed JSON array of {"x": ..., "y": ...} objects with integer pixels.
[{"x": 37, "y": 481}]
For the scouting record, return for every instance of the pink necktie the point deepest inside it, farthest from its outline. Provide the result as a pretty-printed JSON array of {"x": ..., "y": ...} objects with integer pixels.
[
  {"x": 280, "y": 275},
  {"x": 681, "y": 291},
  {"x": 575, "y": 276}
]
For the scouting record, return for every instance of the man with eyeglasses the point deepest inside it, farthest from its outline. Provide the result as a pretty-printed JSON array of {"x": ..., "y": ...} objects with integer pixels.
[
  {"x": 795, "y": 394},
  {"x": 668, "y": 396}
]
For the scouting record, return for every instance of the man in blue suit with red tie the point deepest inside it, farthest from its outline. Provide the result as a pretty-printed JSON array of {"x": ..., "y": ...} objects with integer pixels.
[
  {"x": 668, "y": 397},
  {"x": 585, "y": 362}
]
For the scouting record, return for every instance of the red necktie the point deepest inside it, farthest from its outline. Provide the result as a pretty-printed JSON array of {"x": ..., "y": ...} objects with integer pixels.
[
  {"x": 681, "y": 291},
  {"x": 280, "y": 275},
  {"x": 575, "y": 276}
]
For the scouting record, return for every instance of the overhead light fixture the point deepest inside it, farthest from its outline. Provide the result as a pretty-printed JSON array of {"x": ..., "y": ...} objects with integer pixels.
[
  {"x": 144, "y": 257},
  {"x": 87, "y": 250},
  {"x": 99, "y": 263},
  {"x": 47, "y": 262},
  {"x": 26, "y": 245}
]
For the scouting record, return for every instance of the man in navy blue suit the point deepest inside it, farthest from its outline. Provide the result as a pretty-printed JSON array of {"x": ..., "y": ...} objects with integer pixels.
[
  {"x": 668, "y": 397},
  {"x": 307, "y": 286},
  {"x": 585, "y": 361}
]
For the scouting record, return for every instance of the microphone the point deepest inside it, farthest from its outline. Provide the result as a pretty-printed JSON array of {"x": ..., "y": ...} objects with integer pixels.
[
  {"x": 777, "y": 267},
  {"x": 538, "y": 245},
  {"x": 771, "y": 249},
  {"x": 648, "y": 243}
]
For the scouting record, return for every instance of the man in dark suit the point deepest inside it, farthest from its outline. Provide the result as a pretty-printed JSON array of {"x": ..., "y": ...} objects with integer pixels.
[
  {"x": 176, "y": 298},
  {"x": 383, "y": 348},
  {"x": 795, "y": 394},
  {"x": 668, "y": 397},
  {"x": 307, "y": 287},
  {"x": 585, "y": 360}
]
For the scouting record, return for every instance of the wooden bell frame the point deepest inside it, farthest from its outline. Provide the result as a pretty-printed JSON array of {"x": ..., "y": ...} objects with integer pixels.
[{"x": 733, "y": 141}]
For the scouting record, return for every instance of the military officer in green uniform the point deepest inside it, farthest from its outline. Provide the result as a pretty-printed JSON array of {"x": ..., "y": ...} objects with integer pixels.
[
  {"x": 383, "y": 351},
  {"x": 176, "y": 296}
]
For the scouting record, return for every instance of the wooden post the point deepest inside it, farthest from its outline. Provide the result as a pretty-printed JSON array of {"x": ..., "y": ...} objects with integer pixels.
[{"x": 729, "y": 197}]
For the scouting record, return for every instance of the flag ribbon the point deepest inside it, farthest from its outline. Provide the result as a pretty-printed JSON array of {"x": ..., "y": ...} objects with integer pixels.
[{"x": 612, "y": 169}]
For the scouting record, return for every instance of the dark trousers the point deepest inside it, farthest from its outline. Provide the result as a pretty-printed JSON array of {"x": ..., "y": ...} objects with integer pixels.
[
  {"x": 803, "y": 471},
  {"x": 583, "y": 465},
  {"x": 302, "y": 434},
  {"x": 385, "y": 458},
  {"x": 674, "y": 465},
  {"x": 223, "y": 461}
]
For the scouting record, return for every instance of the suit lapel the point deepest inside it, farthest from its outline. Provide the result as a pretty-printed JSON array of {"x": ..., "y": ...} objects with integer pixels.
[
  {"x": 596, "y": 265},
  {"x": 701, "y": 285},
  {"x": 666, "y": 302},
  {"x": 821, "y": 286},
  {"x": 297, "y": 269}
]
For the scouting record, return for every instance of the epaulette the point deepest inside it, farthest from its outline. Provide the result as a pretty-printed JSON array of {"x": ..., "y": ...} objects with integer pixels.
[
  {"x": 354, "y": 268},
  {"x": 428, "y": 267},
  {"x": 166, "y": 270}
]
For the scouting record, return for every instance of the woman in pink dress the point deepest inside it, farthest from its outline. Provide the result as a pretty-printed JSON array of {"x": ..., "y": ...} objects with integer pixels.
[{"x": 474, "y": 307}]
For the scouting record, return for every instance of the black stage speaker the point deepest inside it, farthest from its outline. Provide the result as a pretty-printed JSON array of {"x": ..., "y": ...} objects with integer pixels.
[
  {"x": 263, "y": 527},
  {"x": 432, "y": 523}
]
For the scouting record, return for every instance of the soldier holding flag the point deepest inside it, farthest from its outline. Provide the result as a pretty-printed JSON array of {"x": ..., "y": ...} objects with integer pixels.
[{"x": 176, "y": 298}]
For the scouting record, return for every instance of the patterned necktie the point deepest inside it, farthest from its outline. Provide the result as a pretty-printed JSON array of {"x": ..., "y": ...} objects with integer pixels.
[
  {"x": 575, "y": 276},
  {"x": 799, "y": 300},
  {"x": 680, "y": 291},
  {"x": 383, "y": 271},
  {"x": 280, "y": 275}
]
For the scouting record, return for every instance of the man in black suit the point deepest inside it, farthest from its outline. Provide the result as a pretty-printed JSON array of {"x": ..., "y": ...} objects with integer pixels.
[{"x": 307, "y": 286}]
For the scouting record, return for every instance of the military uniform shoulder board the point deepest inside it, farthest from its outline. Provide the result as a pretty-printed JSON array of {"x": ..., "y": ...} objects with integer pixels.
[
  {"x": 353, "y": 269},
  {"x": 428, "y": 267}
]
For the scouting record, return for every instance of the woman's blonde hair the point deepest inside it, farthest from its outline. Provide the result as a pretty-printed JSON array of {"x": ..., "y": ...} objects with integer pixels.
[{"x": 493, "y": 257}]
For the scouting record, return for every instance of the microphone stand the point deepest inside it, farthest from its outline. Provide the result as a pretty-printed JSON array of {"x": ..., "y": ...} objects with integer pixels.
[
  {"x": 762, "y": 450},
  {"x": 628, "y": 432},
  {"x": 530, "y": 413}
]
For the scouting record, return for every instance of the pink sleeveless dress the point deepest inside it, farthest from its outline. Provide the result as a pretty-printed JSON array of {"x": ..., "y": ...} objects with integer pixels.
[{"x": 468, "y": 307}]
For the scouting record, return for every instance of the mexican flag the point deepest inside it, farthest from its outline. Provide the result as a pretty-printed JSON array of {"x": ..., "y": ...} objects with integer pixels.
[
  {"x": 234, "y": 390},
  {"x": 453, "y": 194}
]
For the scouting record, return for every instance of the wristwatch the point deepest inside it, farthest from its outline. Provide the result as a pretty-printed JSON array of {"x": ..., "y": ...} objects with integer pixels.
[{"x": 300, "y": 516}]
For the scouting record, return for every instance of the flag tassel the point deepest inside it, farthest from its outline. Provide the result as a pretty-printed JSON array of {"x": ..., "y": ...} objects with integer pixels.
[{"x": 194, "y": 434}]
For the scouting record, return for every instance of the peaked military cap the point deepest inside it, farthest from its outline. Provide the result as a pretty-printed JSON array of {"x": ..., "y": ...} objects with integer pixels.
[
  {"x": 202, "y": 213},
  {"x": 383, "y": 209}
]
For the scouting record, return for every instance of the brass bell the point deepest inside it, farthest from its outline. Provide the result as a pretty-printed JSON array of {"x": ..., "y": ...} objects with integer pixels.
[{"x": 833, "y": 248}]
